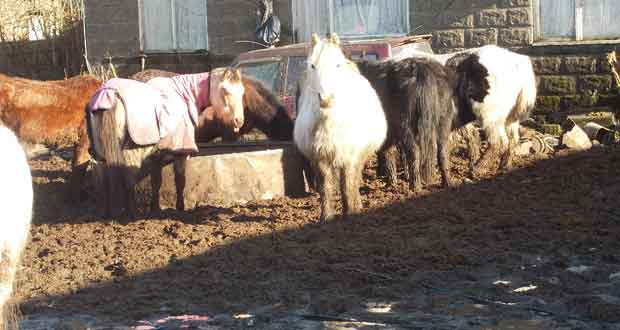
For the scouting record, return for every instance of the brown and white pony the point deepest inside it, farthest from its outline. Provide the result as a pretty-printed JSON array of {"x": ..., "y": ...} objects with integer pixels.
[
  {"x": 126, "y": 162},
  {"x": 16, "y": 197},
  {"x": 40, "y": 111},
  {"x": 261, "y": 109}
]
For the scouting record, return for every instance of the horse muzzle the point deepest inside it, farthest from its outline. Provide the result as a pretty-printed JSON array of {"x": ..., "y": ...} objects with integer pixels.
[{"x": 326, "y": 101}]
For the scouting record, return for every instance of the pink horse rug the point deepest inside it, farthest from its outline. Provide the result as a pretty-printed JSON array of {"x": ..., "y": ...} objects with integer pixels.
[{"x": 160, "y": 112}]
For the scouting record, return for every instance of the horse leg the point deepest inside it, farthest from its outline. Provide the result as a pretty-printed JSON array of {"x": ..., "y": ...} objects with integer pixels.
[
  {"x": 411, "y": 158},
  {"x": 350, "y": 181},
  {"x": 444, "y": 146},
  {"x": 100, "y": 188},
  {"x": 156, "y": 169},
  {"x": 472, "y": 137},
  {"x": 387, "y": 164},
  {"x": 130, "y": 174},
  {"x": 512, "y": 130},
  {"x": 326, "y": 190},
  {"x": 79, "y": 163},
  {"x": 498, "y": 141},
  {"x": 180, "y": 166},
  {"x": 113, "y": 182}
]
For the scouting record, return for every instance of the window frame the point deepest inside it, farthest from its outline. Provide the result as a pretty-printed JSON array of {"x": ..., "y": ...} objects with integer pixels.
[
  {"x": 142, "y": 31},
  {"x": 331, "y": 24},
  {"x": 577, "y": 37}
]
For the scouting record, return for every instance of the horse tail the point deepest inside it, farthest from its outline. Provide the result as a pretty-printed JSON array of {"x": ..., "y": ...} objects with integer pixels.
[
  {"x": 113, "y": 132},
  {"x": 428, "y": 108},
  {"x": 527, "y": 96}
]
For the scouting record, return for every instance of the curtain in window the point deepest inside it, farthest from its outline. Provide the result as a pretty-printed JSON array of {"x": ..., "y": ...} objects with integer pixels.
[
  {"x": 601, "y": 19},
  {"x": 370, "y": 17},
  {"x": 157, "y": 25},
  {"x": 350, "y": 18},
  {"x": 191, "y": 26},
  {"x": 557, "y": 18},
  {"x": 310, "y": 16}
]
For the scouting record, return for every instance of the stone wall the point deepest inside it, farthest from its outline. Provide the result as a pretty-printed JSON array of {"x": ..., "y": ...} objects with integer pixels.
[{"x": 572, "y": 78}]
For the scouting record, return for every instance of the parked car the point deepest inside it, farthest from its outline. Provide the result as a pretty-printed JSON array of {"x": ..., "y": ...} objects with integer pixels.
[{"x": 280, "y": 68}]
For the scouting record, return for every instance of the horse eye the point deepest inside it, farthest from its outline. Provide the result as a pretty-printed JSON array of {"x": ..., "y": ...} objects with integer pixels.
[
  {"x": 312, "y": 66},
  {"x": 337, "y": 65}
]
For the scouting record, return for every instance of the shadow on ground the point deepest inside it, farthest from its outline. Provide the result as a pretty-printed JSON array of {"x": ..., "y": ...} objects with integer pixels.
[{"x": 439, "y": 254}]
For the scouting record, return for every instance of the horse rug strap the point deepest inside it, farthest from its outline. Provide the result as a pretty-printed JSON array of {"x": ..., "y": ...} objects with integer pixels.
[{"x": 143, "y": 104}]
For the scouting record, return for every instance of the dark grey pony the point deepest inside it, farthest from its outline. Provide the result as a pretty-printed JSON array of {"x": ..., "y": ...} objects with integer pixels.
[{"x": 424, "y": 102}]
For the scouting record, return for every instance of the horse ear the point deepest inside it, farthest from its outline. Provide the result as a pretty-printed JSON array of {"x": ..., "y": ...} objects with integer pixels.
[
  {"x": 237, "y": 75},
  {"x": 227, "y": 74},
  {"x": 315, "y": 39},
  {"x": 333, "y": 38}
]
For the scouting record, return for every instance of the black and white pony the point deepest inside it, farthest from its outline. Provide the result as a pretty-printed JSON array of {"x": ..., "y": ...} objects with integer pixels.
[
  {"x": 16, "y": 197},
  {"x": 424, "y": 102},
  {"x": 510, "y": 100}
]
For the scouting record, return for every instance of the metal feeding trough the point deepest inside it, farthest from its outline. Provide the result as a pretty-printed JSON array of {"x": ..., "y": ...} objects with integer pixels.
[{"x": 233, "y": 173}]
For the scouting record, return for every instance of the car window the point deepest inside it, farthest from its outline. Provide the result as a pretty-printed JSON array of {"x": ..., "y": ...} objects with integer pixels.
[
  {"x": 296, "y": 68},
  {"x": 365, "y": 56},
  {"x": 266, "y": 72}
]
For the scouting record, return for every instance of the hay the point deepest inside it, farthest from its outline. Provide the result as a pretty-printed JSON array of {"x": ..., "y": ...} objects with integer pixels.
[{"x": 51, "y": 17}]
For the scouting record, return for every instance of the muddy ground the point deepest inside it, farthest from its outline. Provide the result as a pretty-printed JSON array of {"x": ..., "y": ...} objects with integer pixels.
[{"x": 535, "y": 248}]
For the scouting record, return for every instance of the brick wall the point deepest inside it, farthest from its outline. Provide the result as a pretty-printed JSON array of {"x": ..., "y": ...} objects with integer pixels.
[{"x": 572, "y": 78}]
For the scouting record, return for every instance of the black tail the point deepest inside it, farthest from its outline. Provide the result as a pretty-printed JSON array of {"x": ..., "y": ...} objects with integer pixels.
[{"x": 427, "y": 106}]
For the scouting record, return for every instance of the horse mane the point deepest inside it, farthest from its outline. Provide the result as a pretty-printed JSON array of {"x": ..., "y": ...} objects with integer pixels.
[{"x": 269, "y": 114}]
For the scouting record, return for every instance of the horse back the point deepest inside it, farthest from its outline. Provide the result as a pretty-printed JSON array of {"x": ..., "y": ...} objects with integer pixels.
[{"x": 39, "y": 110}]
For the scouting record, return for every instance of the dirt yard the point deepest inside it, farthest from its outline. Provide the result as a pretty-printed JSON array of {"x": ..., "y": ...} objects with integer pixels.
[{"x": 536, "y": 248}]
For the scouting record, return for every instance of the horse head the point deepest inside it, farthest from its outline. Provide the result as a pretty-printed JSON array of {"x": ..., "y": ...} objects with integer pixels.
[
  {"x": 326, "y": 65},
  {"x": 227, "y": 98}
]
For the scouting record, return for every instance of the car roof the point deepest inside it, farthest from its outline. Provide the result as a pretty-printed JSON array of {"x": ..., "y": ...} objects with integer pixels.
[{"x": 300, "y": 49}]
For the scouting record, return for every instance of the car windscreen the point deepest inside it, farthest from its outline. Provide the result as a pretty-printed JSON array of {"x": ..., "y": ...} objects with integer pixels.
[
  {"x": 296, "y": 69},
  {"x": 267, "y": 72}
]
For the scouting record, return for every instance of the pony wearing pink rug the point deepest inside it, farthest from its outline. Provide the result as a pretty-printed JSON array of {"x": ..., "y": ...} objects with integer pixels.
[{"x": 138, "y": 127}]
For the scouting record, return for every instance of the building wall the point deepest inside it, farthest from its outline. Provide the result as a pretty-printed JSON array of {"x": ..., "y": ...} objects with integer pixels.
[
  {"x": 113, "y": 31},
  {"x": 572, "y": 78}
]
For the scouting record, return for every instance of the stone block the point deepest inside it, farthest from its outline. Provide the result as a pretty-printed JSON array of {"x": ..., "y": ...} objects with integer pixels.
[
  {"x": 491, "y": 18},
  {"x": 557, "y": 85},
  {"x": 514, "y": 3},
  {"x": 580, "y": 64},
  {"x": 547, "y": 65},
  {"x": 547, "y": 104},
  {"x": 514, "y": 37},
  {"x": 480, "y": 37},
  {"x": 518, "y": 17},
  {"x": 232, "y": 178},
  {"x": 601, "y": 84},
  {"x": 579, "y": 100},
  {"x": 457, "y": 20},
  {"x": 449, "y": 39}
]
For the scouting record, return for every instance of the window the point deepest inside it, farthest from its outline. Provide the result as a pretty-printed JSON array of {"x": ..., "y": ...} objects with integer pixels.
[
  {"x": 267, "y": 72},
  {"x": 577, "y": 19},
  {"x": 173, "y": 25},
  {"x": 350, "y": 18}
]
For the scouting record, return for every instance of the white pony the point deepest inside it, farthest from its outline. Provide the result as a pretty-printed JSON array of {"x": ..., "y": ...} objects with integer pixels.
[
  {"x": 16, "y": 199},
  {"x": 511, "y": 97},
  {"x": 340, "y": 123}
]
